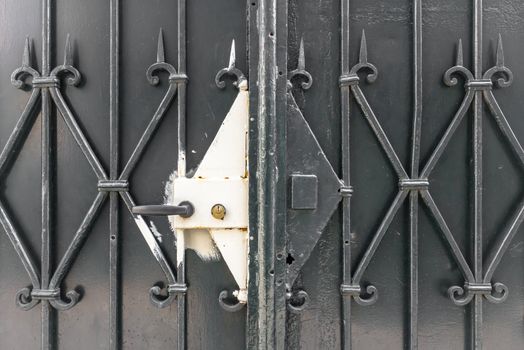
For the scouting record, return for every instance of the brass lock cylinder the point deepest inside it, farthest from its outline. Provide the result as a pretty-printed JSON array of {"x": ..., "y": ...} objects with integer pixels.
[{"x": 218, "y": 211}]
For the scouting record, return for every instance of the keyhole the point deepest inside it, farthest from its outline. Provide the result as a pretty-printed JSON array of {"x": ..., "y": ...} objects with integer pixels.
[{"x": 218, "y": 211}]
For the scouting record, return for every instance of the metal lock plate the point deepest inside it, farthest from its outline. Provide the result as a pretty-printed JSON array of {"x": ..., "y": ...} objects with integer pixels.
[{"x": 206, "y": 193}]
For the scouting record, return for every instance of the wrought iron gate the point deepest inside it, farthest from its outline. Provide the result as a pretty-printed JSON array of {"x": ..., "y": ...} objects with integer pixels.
[{"x": 385, "y": 208}]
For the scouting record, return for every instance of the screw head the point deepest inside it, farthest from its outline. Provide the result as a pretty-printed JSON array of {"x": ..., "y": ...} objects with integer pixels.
[{"x": 218, "y": 211}]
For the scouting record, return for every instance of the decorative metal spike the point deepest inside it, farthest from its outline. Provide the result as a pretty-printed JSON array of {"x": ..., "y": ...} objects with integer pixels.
[
  {"x": 363, "y": 58},
  {"x": 500, "y": 53},
  {"x": 232, "y": 55},
  {"x": 460, "y": 54},
  {"x": 68, "y": 52},
  {"x": 301, "y": 56},
  {"x": 160, "y": 53},
  {"x": 26, "y": 58}
]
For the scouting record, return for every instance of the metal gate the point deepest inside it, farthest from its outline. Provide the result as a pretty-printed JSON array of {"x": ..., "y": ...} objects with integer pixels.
[{"x": 385, "y": 163}]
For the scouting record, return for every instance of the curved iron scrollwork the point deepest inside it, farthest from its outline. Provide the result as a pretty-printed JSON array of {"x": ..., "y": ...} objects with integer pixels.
[
  {"x": 501, "y": 76},
  {"x": 228, "y": 306},
  {"x": 300, "y": 72},
  {"x": 27, "y": 298},
  {"x": 306, "y": 221},
  {"x": 297, "y": 301},
  {"x": 160, "y": 297},
  {"x": 240, "y": 80}
]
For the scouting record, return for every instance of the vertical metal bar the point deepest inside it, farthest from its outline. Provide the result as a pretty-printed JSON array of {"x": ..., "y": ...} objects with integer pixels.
[
  {"x": 279, "y": 38},
  {"x": 181, "y": 259},
  {"x": 114, "y": 239},
  {"x": 182, "y": 88},
  {"x": 256, "y": 310},
  {"x": 271, "y": 32},
  {"x": 415, "y": 164},
  {"x": 477, "y": 173},
  {"x": 46, "y": 177},
  {"x": 346, "y": 175}
]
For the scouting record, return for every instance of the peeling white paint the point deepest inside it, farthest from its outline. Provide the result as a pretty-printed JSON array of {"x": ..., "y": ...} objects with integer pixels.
[
  {"x": 233, "y": 245},
  {"x": 168, "y": 190},
  {"x": 221, "y": 178},
  {"x": 150, "y": 240},
  {"x": 155, "y": 231},
  {"x": 200, "y": 241}
]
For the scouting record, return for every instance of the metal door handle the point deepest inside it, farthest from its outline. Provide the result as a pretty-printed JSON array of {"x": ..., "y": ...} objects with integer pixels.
[{"x": 184, "y": 209}]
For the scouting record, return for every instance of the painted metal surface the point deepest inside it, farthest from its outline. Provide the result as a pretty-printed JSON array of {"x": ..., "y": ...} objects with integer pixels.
[
  {"x": 384, "y": 209},
  {"x": 395, "y": 155},
  {"x": 64, "y": 120}
]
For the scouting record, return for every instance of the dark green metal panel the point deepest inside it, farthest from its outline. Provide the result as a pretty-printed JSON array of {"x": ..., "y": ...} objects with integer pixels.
[
  {"x": 112, "y": 44},
  {"x": 412, "y": 44},
  {"x": 413, "y": 256}
]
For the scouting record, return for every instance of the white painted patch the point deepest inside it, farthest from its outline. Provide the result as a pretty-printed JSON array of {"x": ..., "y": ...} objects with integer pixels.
[
  {"x": 150, "y": 239},
  {"x": 227, "y": 155},
  {"x": 198, "y": 240},
  {"x": 168, "y": 190},
  {"x": 204, "y": 193},
  {"x": 201, "y": 242},
  {"x": 233, "y": 246},
  {"x": 155, "y": 231},
  {"x": 221, "y": 178}
]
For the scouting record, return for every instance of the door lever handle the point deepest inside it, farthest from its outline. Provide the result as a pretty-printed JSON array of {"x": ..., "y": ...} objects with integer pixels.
[{"x": 184, "y": 209}]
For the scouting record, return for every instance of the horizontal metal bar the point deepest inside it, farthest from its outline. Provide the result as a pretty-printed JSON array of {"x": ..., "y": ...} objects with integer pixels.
[
  {"x": 45, "y": 294},
  {"x": 414, "y": 184},
  {"x": 349, "y": 79},
  {"x": 46, "y": 82},
  {"x": 478, "y": 288},
  {"x": 113, "y": 185},
  {"x": 480, "y": 84},
  {"x": 184, "y": 209}
]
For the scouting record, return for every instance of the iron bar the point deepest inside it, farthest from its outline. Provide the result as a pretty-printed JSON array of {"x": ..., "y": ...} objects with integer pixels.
[
  {"x": 277, "y": 37},
  {"x": 477, "y": 172},
  {"x": 20, "y": 131},
  {"x": 505, "y": 128},
  {"x": 77, "y": 241},
  {"x": 19, "y": 247},
  {"x": 379, "y": 234},
  {"x": 502, "y": 247},
  {"x": 47, "y": 178},
  {"x": 450, "y": 131},
  {"x": 77, "y": 133},
  {"x": 415, "y": 164},
  {"x": 181, "y": 169},
  {"x": 450, "y": 240},
  {"x": 114, "y": 233},
  {"x": 379, "y": 132},
  {"x": 503, "y": 124},
  {"x": 346, "y": 175},
  {"x": 182, "y": 88},
  {"x": 256, "y": 287},
  {"x": 121, "y": 185},
  {"x": 150, "y": 239},
  {"x": 271, "y": 89},
  {"x": 148, "y": 133}
]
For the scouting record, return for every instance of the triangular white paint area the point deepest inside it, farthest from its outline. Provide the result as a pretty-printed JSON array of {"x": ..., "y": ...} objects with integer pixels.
[
  {"x": 227, "y": 155},
  {"x": 221, "y": 178},
  {"x": 233, "y": 247}
]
